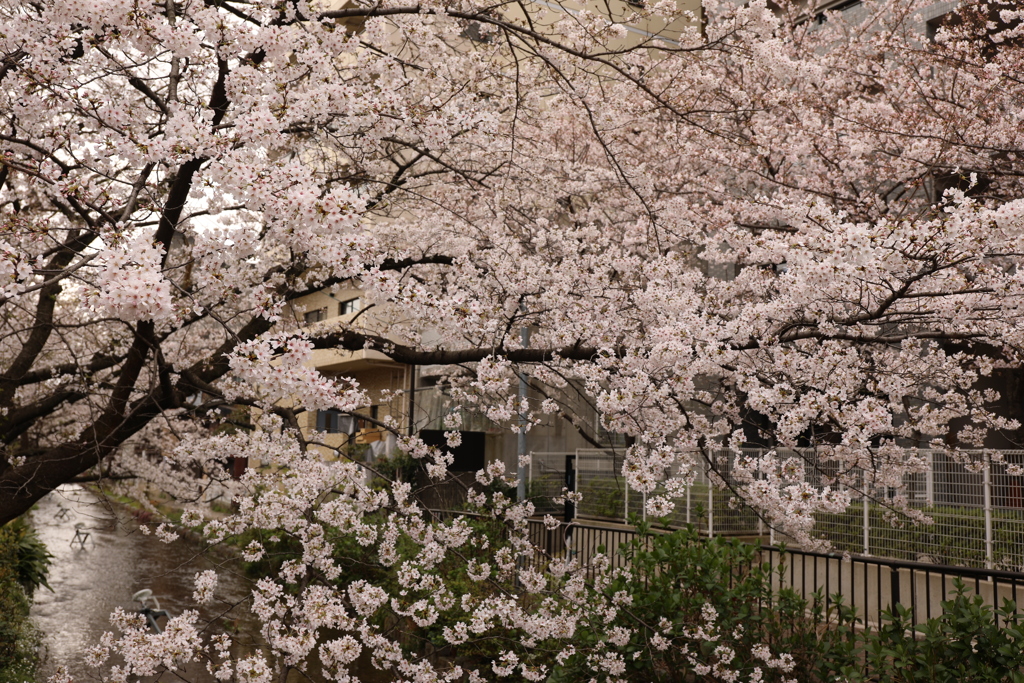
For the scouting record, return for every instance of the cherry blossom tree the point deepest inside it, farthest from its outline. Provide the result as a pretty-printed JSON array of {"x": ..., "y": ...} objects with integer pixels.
[{"x": 764, "y": 226}]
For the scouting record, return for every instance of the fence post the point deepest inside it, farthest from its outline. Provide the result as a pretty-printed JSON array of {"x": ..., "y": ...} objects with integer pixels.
[
  {"x": 688, "y": 487},
  {"x": 711, "y": 506},
  {"x": 570, "y": 481},
  {"x": 867, "y": 522},
  {"x": 987, "y": 484},
  {"x": 521, "y": 438},
  {"x": 929, "y": 480},
  {"x": 625, "y": 517},
  {"x": 529, "y": 479},
  {"x": 576, "y": 479}
]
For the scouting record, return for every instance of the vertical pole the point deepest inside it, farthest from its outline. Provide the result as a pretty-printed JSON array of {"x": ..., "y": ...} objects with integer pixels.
[
  {"x": 894, "y": 587},
  {"x": 867, "y": 521},
  {"x": 530, "y": 478},
  {"x": 412, "y": 400},
  {"x": 987, "y": 474},
  {"x": 643, "y": 505},
  {"x": 576, "y": 478},
  {"x": 570, "y": 482},
  {"x": 771, "y": 535},
  {"x": 625, "y": 513},
  {"x": 929, "y": 480},
  {"x": 521, "y": 450},
  {"x": 688, "y": 487},
  {"x": 711, "y": 507}
]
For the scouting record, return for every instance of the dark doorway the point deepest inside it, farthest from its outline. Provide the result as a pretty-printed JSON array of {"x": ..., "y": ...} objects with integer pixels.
[{"x": 469, "y": 455}]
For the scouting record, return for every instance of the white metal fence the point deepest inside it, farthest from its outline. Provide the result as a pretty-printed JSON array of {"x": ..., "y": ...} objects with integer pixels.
[
  {"x": 977, "y": 516},
  {"x": 607, "y": 496},
  {"x": 977, "y": 512}
]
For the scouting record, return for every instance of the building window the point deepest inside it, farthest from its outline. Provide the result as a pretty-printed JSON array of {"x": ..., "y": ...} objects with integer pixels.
[
  {"x": 335, "y": 422},
  {"x": 837, "y": 7},
  {"x": 609, "y": 438},
  {"x": 315, "y": 316},
  {"x": 350, "y": 306},
  {"x": 932, "y": 26}
]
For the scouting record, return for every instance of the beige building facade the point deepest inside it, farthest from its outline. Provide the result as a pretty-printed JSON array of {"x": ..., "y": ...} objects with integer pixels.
[{"x": 413, "y": 400}]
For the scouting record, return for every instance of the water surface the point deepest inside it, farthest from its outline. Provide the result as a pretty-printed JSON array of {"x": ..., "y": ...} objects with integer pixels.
[{"x": 118, "y": 560}]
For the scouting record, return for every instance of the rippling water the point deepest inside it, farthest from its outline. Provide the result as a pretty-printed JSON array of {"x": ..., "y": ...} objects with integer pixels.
[{"x": 118, "y": 560}]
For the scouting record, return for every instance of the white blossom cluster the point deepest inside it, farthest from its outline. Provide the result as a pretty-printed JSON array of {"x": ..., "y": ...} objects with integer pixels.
[{"x": 752, "y": 228}]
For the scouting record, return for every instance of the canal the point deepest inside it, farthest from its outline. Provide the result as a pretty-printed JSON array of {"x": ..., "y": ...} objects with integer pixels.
[{"x": 116, "y": 561}]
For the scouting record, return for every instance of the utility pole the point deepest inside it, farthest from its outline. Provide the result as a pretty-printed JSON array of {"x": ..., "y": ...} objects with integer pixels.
[{"x": 521, "y": 450}]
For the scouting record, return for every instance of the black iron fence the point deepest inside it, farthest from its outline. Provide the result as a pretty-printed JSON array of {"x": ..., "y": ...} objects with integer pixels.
[
  {"x": 871, "y": 585},
  {"x": 580, "y": 541},
  {"x": 875, "y": 584}
]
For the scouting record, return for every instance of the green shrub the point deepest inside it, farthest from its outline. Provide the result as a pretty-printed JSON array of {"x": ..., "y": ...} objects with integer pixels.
[
  {"x": 399, "y": 466},
  {"x": 31, "y": 558},
  {"x": 672, "y": 577},
  {"x": 23, "y": 567},
  {"x": 964, "y": 645}
]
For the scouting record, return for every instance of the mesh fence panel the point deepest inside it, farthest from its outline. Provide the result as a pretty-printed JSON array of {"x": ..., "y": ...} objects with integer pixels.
[
  {"x": 976, "y": 506},
  {"x": 710, "y": 507},
  {"x": 547, "y": 478},
  {"x": 1008, "y": 514},
  {"x": 727, "y": 515},
  {"x": 599, "y": 478}
]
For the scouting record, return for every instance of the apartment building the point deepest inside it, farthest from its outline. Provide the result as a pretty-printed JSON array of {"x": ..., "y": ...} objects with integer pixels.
[{"x": 415, "y": 400}]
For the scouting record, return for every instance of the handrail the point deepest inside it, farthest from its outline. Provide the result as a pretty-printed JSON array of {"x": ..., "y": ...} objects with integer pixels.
[{"x": 893, "y": 563}]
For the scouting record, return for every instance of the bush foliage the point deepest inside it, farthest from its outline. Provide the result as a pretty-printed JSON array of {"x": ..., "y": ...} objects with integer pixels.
[
  {"x": 24, "y": 563},
  {"x": 674, "y": 579},
  {"x": 670, "y": 585}
]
